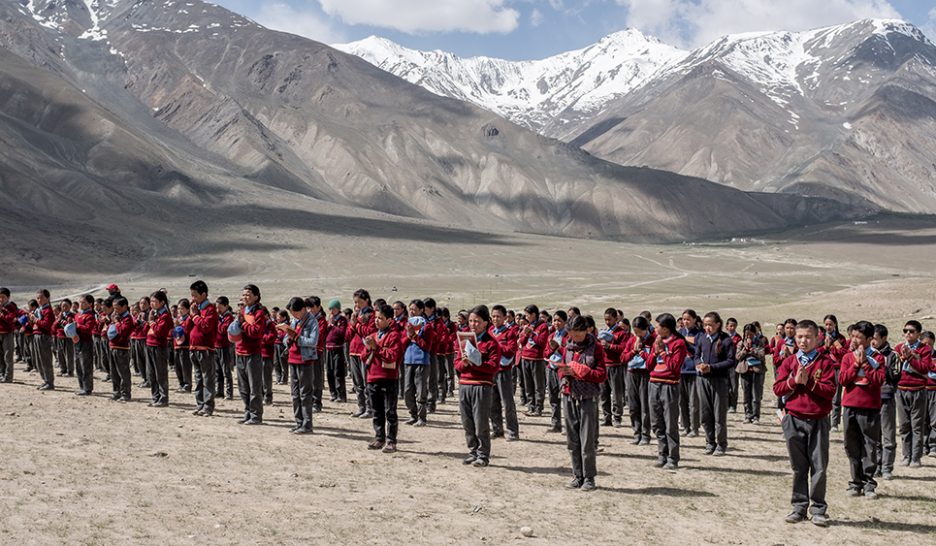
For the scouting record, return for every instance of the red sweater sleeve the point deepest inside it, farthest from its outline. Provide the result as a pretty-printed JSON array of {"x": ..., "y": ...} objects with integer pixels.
[
  {"x": 258, "y": 328},
  {"x": 598, "y": 374}
]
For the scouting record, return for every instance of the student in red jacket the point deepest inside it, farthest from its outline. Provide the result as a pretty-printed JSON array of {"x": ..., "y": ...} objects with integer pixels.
[
  {"x": 384, "y": 356},
  {"x": 929, "y": 431},
  {"x": 314, "y": 305},
  {"x": 637, "y": 358},
  {"x": 582, "y": 371},
  {"x": 85, "y": 325},
  {"x": 534, "y": 340},
  {"x": 437, "y": 334},
  {"x": 916, "y": 362},
  {"x": 66, "y": 347},
  {"x": 224, "y": 350},
  {"x": 301, "y": 336},
  {"x": 252, "y": 321},
  {"x": 477, "y": 364},
  {"x": 807, "y": 380},
  {"x": 783, "y": 348},
  {"x": 119, "y": 333},
  {"x": 158, "y": 331},
  {"x": 447, "y": 354},
  {"x": 141, "y": 316},
  {"x": 9, "y": 316},
  {"x": 361, "y": 325},
  {"x": 503, "y": 407},
  {"x": 666, "y": 361},
  {"x": 267, "y": 348},
  {"x": 335, "y": 362},
  {"x": 181, "y": 346},
  {"x": 731, "y": 328},
  {"x": 557, "y": 342},
  {"x": 43, "y": 324},
  {"x": 613, "y": 391},
  {"x": 202, "y": 348},
  {"x": 833, "y": 343},
  {"x": 715, "y": 358},
  {"x": 861, "y": 375},
  {"x": 280, "y": 353}
]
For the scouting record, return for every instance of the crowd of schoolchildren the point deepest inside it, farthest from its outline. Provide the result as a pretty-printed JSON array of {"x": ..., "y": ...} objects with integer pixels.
[{"x": 674, "y": 376}]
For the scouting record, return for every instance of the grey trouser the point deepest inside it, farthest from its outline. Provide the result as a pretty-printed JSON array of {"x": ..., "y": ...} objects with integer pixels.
[
  {"x": 44, "y": 358},
  {"x": 612, "y": 394},
  {"x": 753, "y": 394},
  {"x": 911, "y": 413},
  {"x": 664, "y": 418},
  {"x": 85, "y": 370},
  {"x": 157, "y": 370},
  {"x": 808, "y": 446},
  {"x": 581, "y": 419},
  {"x": 638, "y": 403},
  {"x": 336, "y": 372},
  {"x": 688, "y": 403},
  {"x": 554, "y": 387},
  {"x": 888, "y": 443},
  {"x": 250, "y": 385},
  {"x": 203, "y": 363},
  {"x": 416, "y": 389},
  {"x": 503, "y": 407},
  {"x": 359, "y": 379},
  {"x": 534, "y": 383},
  {"x": 225, "y": 367},
  {"x": 120, "y": 372},
  {"x": 301, "y": 383},
  {"x": 713, "y": 409},
  {"x": 475, "y": 404},
  {"x": 862, "y": 431},
  {"x": 6, "y": 357}
]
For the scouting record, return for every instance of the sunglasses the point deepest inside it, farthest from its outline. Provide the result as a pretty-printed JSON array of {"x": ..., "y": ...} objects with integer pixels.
[{"x": 909, "y": 331}]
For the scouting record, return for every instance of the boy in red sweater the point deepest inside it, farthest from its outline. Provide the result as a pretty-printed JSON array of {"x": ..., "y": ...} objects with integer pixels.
[
  {"x": 202, "y": 342},
  {"x": 534, "y": 340},
  {"x": 861, "y": 375},
  {"x": 503, "y": 407},
  {"x": 9, "y": 316},
  {"x": 158, "y": 329},
  {"x": 612, "y": 393},
  {"x": 384, "y": 355},
  {"x": 666, "y": 361},
  {"x": 806, "y": 379},
  {"x": 916, "y": 361},
  {"x": 119, "y": 333},
  {"x": 253, "y": 321},
  {"x": 86, "y": 325},
  {"x": 43, "y": 324}
]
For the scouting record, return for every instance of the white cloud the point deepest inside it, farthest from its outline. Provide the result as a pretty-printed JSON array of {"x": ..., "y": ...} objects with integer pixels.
[
  {"x": 697, "y": 22},
  {"x": 536, "y": 17},
  {"x": 302, "y": 22},
  {"x": 413, "y": 16},
  {"x": 930, "y": 27}
]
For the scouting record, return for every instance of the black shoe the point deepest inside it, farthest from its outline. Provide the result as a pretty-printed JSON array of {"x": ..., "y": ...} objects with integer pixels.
[
  {"x": 617, "y": 424},
  {"x": 589, "y": 485},
  {"x": 820, "y": 520},
  {"x": 513, "y": 438},
  {"x": 124, "y": 399},
  {"x": 497, "y": 434},
  {"x": 554, "y": 428},
  {"x": 47, "y": 387},
  {"x": 412, "y": 421},
  {"x": 672, "y": 467},
  {"x": 82, "y": 393},
  {"x": 795, "y": 517},
  {"x": 229, "y": 397},
  {"x": 300, "y": 430},
  {"x": 480, "y": 463},
  {"x": 644, "y": 442},
  {"x": 254, "y": 422},
  {"x": 390, "y": 447},
  {"x": 635, "y": 441},
  {"x": 376, "y": 445},
  {"x": 115, "y": 397},
  {"x": 576, "y": 483},
  {"x": 207, "y": 413},
  {"x": 470, "y": 459},
  {"x": 315, "y": 409}
]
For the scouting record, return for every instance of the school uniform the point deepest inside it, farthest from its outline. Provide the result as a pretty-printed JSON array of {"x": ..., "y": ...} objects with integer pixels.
[
  {"x": 416, "y": 361},
  {"x": 836, "y": 353},
  {"x": 447, "y": 354},
  {"x": 888, "y": 441},
  {"x": 437, "y": 334},
  {"x": 714, "y": 387},
  {"x": 302, "y": 354},
  {"x": 806, "y": 426},
  {"x": 267, "y": 349},
  {"x": 929, "y": 434},
  {"x": 107, "y": 358},
  {"x": 280, "y": 358},
  {"x": 581, "y": 389},
  {"x": 202, "y": 348},
  {"x": 66, "y": 347},
  {"x": 42, "y": 339},
  {"x": 360, "y": 329},
  {"x": 637, "y": 357},
  {"x": 157, "y": 355},
  {"x": 613, "y": 390},
  {"x": 475, "y": 390},
  {"x": 553, "y": 384},
  {"x": 663, "y": 393},
  {"x": 85, "y": 325},
  {"x": 383, "y": 375},
  {"x": 181, "y": 355},
  {"x": 8, "y": 326},
  {"x": 224, "y": 357},
  {"x": 249, "y": 363},
  {"x": 911, "y": 399},
  {"x": 120, "y": 356},
  {"x": 335, "y": 363},
  {"x": 503, "y": 406},
  {"x": 734, "y": 380},
  {"x": 533, "y": 365},
  {"x": 688, "y": 393},
  {"x": 783, "y": 346},
  {"x": 318, "y": 383},
  {"x": 861, "y": 415},
  {"x": 138, "y": 347},
  {"x": 753, "y": 380}
]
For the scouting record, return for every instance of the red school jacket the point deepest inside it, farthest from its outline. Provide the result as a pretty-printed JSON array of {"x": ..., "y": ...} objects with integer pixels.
[
  {"x": 386, "y": 359},
  {"x": 159, "y": 328},
  {"x": 469, "y": 374},
  {"x": 204, "y": 327},
  {"x": 536, "y": 345},
  {"x": 862, "y": 387},
  {"x": 814, "y": 399},
  {"x": 666, "y": 367}
]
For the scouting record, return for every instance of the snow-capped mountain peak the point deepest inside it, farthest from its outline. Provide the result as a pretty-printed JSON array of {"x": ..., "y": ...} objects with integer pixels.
[{"x": 538, "y": 94}]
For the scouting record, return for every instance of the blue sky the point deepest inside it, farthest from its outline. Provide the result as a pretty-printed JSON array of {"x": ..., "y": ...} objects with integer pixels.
[{"x": 532, "y": 29}]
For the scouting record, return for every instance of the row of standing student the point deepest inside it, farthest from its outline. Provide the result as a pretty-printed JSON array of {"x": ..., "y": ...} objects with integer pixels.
[{"x": 571, "y": 357}]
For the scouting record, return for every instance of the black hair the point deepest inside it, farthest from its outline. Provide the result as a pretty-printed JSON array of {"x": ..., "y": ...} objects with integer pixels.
[
  {"x": 714, "y": 316},
  {"x": 385, "y": 310},
  {"x": 731, "y": 320},
  {"x": 612, "y": 312},
  {"x": 691, "y": 313},
  {"x": 45, "y": 292},
  {"x": 313, "y": 301},
  {"x": 5, "y": 291},
  {"x": 591, "y": 321},
  {"x": 419, "y": 304},
  {"x": 575, "y": 310},
  {"x": 578, "y": 323},
  {"x": 184, "y": 302},
  {"x": 121, "y": 301},
  {"x": 668, "y": 321},
  {"x": 223, "y": 300},
  {"x": 500, "y": 308},
  {"x": 362, "y": 294},
  {"x": 253, "y": 289},
  {"x": 88, "y": 298},
  {"x": 429, "y": 303},
  {"x": 283, "y": 313},
  {"x": 881, "y": 330},
  {"x": 833, "y": 319},
  {"x": 562, "y": 314},
  {"x": 296, "y": 304},
  {"x": 792, "y": 321},
  {"x": 916, "y": 324},
  {"x": 481, "y": 311},
  {"x": 531, "y": 309},
  {"x": 641, "y": 323},
  {"x": 200, "y": 287},
  {"x": 865, "y": 328},
  {"x": 160, "y": 296},
  {"x": 807, "y": 325}
]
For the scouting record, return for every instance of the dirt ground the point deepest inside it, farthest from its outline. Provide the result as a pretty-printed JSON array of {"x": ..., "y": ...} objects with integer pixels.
[{"x": 91, "y": 471}]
